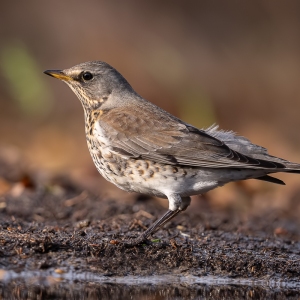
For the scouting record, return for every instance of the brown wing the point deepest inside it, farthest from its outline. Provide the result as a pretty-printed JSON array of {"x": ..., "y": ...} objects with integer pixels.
[{"x": 164, "y": 138}]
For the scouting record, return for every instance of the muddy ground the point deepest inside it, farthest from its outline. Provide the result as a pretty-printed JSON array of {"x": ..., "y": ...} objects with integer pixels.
[{"x": 57, "y": 226}]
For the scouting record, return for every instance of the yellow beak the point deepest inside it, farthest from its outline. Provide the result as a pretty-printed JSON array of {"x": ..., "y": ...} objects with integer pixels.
[{"x": 58, "y": 74}]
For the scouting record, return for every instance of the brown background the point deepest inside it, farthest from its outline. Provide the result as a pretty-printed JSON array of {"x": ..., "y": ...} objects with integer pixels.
[{"x": 235, "y": 63}]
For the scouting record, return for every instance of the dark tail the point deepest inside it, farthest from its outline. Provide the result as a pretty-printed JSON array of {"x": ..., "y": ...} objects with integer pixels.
[
  {"x": 271, "y": 179},
  {"x": 289, "y": 168},
  {"x": 293, "y": 171}
]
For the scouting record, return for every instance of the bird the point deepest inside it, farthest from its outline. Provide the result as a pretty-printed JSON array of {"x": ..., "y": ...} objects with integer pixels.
[{"x": 142, "y": 148}]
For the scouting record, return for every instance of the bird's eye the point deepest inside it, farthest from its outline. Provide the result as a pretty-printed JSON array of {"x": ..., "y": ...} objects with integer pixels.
[{"x": 87, "y": 76}]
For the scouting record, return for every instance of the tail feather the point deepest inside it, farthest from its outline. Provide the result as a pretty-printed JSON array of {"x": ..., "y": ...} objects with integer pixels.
[
  {"x": 293, "y": 171},
  {"x": 271, "y": 179},
  {"x": 292, "y": 168},
  {"x": 246, "y": 148}
]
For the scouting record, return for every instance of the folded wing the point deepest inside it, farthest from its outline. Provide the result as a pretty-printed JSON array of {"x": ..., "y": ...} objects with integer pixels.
[{"x": 166, "y": 139}]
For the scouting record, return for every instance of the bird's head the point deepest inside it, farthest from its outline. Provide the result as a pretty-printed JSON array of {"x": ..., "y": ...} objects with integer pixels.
[{"x": 94, "y": 83}]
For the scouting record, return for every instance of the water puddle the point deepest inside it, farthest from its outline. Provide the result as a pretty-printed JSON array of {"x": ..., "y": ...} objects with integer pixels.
[{"x": 58, "y": 284}]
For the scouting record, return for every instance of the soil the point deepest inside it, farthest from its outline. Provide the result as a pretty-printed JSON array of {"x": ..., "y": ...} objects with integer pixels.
[{"x": 57, "y": 227}]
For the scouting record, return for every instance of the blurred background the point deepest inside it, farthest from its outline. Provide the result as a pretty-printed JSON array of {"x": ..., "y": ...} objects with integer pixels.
[{"x": 235, "y": 63}]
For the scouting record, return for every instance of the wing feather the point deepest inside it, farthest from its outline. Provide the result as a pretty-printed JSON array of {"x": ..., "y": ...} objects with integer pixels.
[{"x": 166, "y": 139}]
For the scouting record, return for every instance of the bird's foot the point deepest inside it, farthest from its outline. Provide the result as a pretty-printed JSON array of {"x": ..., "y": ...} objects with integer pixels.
[{"x": 142, "y": 239}]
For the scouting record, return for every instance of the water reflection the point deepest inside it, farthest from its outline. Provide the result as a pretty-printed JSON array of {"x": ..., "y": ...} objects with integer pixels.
[
  {"x": 51, "y": 285},
  {"x": 20, "y": 290}
]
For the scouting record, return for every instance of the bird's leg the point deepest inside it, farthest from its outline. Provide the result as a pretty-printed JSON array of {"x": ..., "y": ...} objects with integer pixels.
[
  {"x": 167, "y": 220},
  {"x": 176, "y": 205},
  {"x": 185, "y": 203},
  {"x": 155, "y": 226}
]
